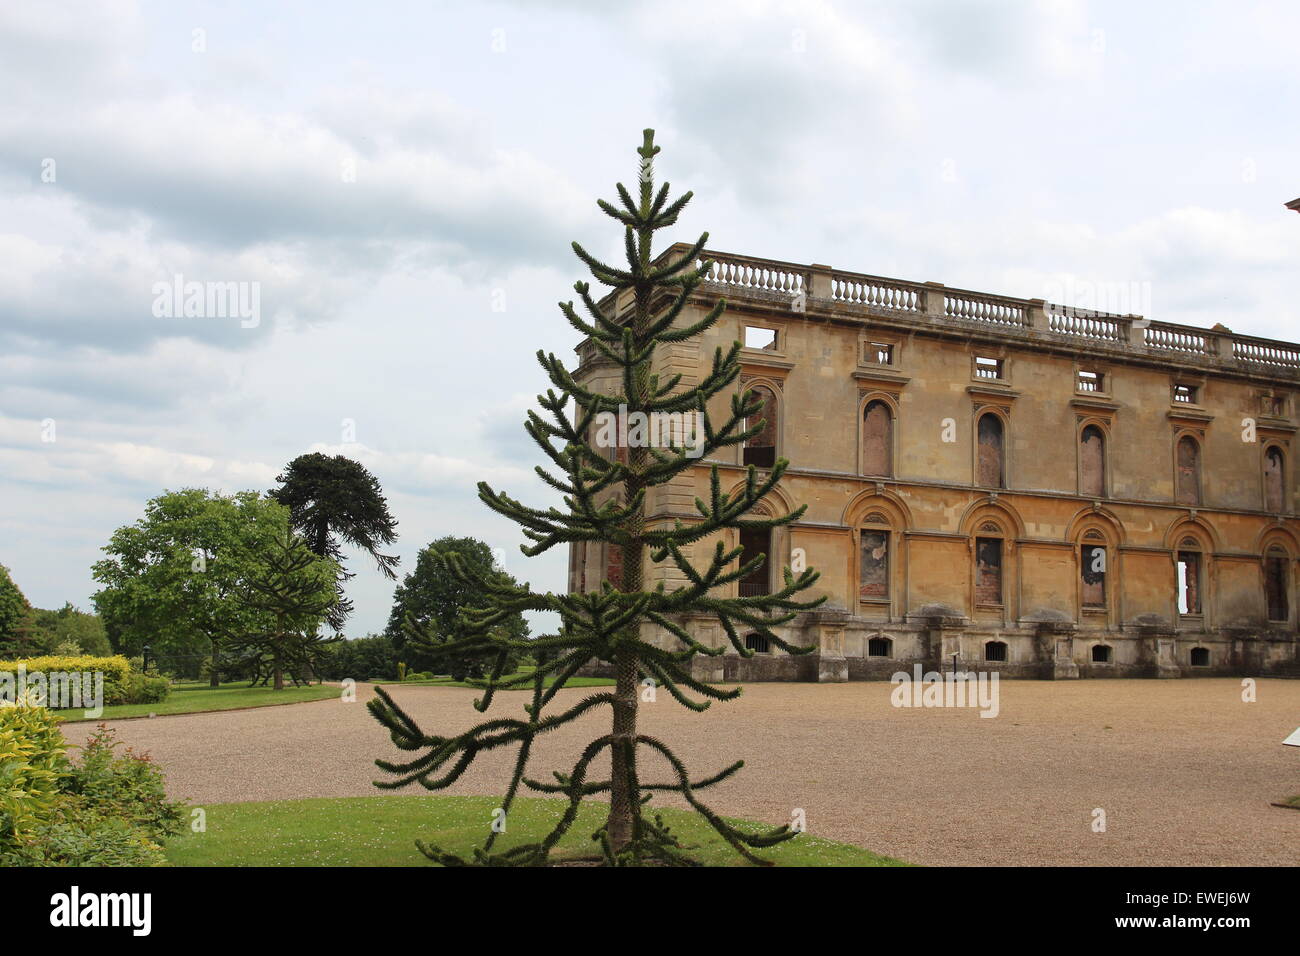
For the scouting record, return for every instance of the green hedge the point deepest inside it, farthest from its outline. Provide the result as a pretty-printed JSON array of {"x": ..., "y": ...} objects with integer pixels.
[{"x": 121, "y": 684}]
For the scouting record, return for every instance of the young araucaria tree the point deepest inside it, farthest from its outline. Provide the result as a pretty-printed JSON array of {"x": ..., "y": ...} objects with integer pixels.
[
  {"x": 605, "y": 497},
  {"x": 292, "y": 593}
]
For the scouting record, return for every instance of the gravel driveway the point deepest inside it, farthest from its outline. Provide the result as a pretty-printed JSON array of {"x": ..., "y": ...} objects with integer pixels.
[{"x": 1183, "y": 769}]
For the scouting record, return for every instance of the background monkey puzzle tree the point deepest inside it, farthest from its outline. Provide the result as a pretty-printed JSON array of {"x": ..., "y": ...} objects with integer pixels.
[
  {"x": 333, "y": 501},
  {"x": 605, "y": 498},
  {"x": 294, "y": 589}
]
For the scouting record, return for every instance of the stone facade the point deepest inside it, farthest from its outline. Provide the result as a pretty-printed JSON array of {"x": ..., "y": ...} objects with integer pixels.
[{"x": 1002, "y": 483}]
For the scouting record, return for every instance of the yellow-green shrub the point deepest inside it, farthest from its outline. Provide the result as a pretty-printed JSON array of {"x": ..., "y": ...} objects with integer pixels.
[
  {"x": 32, "y": 762},
  {"x": 116, "y": 671}
]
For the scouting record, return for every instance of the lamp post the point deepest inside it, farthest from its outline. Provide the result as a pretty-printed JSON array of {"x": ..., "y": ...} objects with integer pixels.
[{"x": 144, "y": 658}]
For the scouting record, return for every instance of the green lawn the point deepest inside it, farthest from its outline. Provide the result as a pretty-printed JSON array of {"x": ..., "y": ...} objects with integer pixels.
[
  {"x": 190, "y": 698},
  {"x": 381, "y": 831}
]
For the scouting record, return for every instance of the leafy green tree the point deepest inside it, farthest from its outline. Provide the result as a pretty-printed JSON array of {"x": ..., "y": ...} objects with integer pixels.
[
  {"x": 430, "y": 598},
  {"x": 49, "y": 629},
  {"x": 333, "y": 502},
  {"x": 604, "y": 497},
  {"x": 373, "y": 657},
  {"x": 14, "y": 612},
  {"x": 294, "y": 589},
  {"x": 176, "y": 579}
]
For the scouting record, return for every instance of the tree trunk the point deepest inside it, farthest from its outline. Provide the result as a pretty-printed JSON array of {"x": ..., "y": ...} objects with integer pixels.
[
  {"x": 621, "y": 798},
  {"x": 279, "y": 676},
  {"x": 214, "y": 678}
]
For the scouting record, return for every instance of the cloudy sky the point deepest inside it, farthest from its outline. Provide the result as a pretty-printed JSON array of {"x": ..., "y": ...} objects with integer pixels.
[{"x": 403, "y": 180}]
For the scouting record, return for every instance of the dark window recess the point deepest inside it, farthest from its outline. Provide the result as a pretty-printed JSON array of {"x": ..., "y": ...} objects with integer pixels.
[
  {"x": 760, "y": 451},
  {"x": 1273, "y": 480},
  {"x": 1275, "y": 587},
  {"x": 877, "y": 439},
  {"x": 1093, "y": 573},
  {"x": 1189, "y": 582},
  {"x": 988, "y": 570},
  {"x": 754, "y": 543},
  {"x": 1092, "y": 462},
  {"x": 1200, "y": 657},
  {"x": 880, "y": 647},
  {"x": 1188, "y": 489},
  {"x": 873, "y": 579},
  {"x": 614, "y": 564},
  {"x": 578, "y": 567},
  {"x": 991, "y": 470},
  {"x": 1100, "y": 654},
  {"x": 995, "y": 651},
  {"x": 757, "y": 642}
]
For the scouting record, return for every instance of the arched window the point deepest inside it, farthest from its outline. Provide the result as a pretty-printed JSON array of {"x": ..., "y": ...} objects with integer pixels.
[
  {"x": 991, "y": 462},
  {"x": 760, "y": 450},
  {"x": 988, "y": 564},
  {"x": 873, "y": 568},
  {"x": 1274, "y": 480},
  {"x": 753, "y": 542},
  {"x": 1277, "y": 583},
  {"x": 1101, "y": 654},
  {"x": 880, "y": 647},
  {"x": 1188, "y": 476},
  {"x": 757, "y": 643},
  {"x": 1189, "y": 576},
  {"x": 1092, "y": 462},
  {"x": 877, "y": 439},
  {"x": 1093, "y": 560},
  {"x": 995, "y": 651}
]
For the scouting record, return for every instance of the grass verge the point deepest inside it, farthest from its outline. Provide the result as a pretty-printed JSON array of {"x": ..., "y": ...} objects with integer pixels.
[
  {"x": 193, "y": 698},
  {"x": 381, "y": 831}
]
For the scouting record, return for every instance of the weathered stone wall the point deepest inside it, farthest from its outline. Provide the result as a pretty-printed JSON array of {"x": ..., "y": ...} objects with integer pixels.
[{"x": 934, "y": 508}]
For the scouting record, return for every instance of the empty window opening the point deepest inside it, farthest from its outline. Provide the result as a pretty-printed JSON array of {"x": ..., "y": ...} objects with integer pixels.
[
  {"x": 1188, "y": 478},
  {"x": 1275, "y": 586},
  {"x": 988, "y": 570},
  {"x": 1189, "y": 582},
  {"x": 988, "y": 367},
  {"x": 760, "y": 450},
  {"x": 1100, "y": 654},
  {"x": 1092, "y": 462},
  {"x": 1200, "y": 657},
  {"x": 877, "y": 439},
  {"x": 880, "y": 647},
  {"x": 757, "y": 337},
  {"x": 1090, "y": 380},
  {"x": 995, "y": 651},
  {"x": 873, "y": 584},
  {"x": 1185, "y": 394},
  {"x": 1092, "y": 571},
  {"x": 1273, "y": 480},
  {"x": 991, "y": 466},
  {"x": 755, "y": 542},
  {"x": 880, "y": 353},
  {"x": 757, "y": 643}
]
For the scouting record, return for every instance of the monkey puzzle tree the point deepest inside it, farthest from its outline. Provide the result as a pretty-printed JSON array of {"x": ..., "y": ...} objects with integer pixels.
[
  {"x": 605, "y": 502},
  {"x": 294, "y": 590},
  {"x": 336, "y": 501}
]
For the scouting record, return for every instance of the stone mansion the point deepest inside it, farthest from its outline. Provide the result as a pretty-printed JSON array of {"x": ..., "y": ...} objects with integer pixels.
[{"x": 997, "y": 483}]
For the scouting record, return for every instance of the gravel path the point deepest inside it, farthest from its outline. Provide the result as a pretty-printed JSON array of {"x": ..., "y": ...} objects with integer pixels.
[{"x": 1184, "y": 769}]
